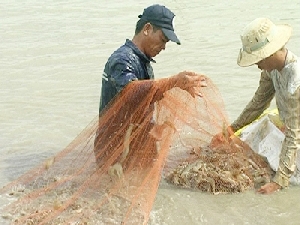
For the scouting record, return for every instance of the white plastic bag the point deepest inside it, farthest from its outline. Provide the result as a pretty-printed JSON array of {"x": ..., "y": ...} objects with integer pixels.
[{"x": 266, "y": 139}]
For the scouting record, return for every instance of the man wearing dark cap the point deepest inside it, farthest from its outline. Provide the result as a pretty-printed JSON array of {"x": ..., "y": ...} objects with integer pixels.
[
  {"x": 132, "y": 60},
  {"x": 161, "y": 17}
]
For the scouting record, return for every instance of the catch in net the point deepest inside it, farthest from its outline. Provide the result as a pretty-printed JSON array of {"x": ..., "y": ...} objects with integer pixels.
[{"x": 110, "y": 173}]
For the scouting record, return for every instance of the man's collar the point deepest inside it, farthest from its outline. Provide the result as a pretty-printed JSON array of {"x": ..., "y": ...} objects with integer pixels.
[{"x": 137, "y": 51}]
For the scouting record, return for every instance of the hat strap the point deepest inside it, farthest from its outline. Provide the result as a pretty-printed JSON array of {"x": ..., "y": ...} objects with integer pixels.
[{"x": 261, "y": 44}]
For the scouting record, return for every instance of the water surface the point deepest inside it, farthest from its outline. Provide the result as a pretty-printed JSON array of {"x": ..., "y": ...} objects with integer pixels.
[{"x": 52, "y": 57}]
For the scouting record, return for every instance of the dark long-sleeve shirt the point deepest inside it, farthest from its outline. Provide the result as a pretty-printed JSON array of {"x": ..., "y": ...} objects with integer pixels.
[{"x": 126, "y": 64}]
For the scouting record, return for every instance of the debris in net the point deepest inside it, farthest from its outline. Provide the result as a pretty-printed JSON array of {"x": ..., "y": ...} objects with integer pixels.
[{"x": 229, "y": 168}]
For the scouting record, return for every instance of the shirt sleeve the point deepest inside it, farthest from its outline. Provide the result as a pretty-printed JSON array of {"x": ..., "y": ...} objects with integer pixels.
[
  {"x": 291, "y": 142},
  {"x": 260, "y": 101},
  {"x": 122, "y": 73}
]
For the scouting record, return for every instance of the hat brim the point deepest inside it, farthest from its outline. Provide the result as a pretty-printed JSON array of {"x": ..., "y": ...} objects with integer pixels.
[
  {"x": 171, "y": 35},
  {"x": 282, "y": 37}
]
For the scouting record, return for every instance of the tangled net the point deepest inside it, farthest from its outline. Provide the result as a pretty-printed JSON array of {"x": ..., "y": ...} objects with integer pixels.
[{"x": 110, "y": 173}]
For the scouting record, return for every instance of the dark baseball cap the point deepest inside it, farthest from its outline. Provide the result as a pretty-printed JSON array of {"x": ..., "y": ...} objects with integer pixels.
[{"x": 161, "y": 17}]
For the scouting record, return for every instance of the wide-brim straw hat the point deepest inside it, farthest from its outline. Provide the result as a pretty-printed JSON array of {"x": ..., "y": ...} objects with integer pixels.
[{"x": 260, "y": 39}]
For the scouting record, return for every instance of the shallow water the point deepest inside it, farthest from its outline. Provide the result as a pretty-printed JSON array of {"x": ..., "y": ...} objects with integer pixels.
[{"x": 52, "y": 57}]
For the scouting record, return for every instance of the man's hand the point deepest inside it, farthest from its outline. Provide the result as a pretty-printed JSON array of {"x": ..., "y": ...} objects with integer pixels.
[
  {"x": 190, "y": 82},
  {"x": 222, "y": 137},
  {"x": 269, "y": 188}
]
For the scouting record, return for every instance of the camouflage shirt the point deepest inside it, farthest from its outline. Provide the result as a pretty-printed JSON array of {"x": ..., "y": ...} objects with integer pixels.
[{"x": 285, "y": 86}]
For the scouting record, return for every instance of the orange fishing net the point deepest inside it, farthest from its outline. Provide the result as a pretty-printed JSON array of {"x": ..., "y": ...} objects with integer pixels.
[{"x": 110, "y": 173}]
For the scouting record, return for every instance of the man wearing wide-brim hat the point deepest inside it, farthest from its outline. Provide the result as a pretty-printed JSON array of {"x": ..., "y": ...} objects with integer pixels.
[{"x": 263, "y": 44}]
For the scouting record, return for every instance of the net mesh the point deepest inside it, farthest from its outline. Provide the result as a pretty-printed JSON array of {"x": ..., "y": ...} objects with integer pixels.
[{"x": 110, "y": 173}]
